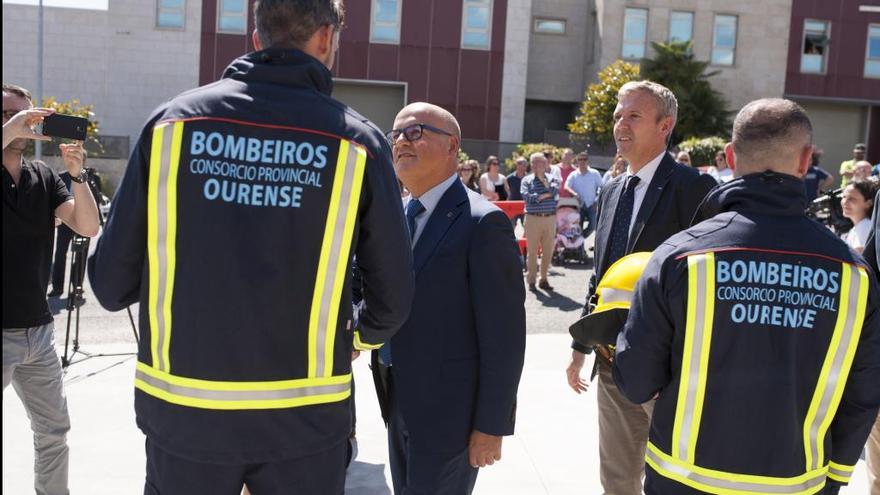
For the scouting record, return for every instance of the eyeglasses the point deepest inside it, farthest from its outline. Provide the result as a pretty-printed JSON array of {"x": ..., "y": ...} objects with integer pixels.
[
  {"x": 467, "y": 170},
  {"x": 8, "y": 114},
  {"x": 412, "y": 132}
]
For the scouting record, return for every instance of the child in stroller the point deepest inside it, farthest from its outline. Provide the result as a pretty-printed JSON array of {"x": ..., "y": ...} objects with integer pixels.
[{"x": 569, "y": 233}]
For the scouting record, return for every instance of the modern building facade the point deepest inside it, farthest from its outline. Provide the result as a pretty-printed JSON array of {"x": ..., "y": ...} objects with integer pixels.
[{"x": 833, "y": 71}]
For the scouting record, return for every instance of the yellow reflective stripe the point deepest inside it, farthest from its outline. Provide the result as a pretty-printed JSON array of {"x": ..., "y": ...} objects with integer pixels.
[
  {"x": 724, "y": 483},
  {"x": 695, "y": 359},
  {"x": 838, "y": 360},
  {"x": 333, "y": 264},
  {"x": 171, "y": 239},
  {"x": 358, "y": 155},
  {"x": 162, "y": 236},
  {"x": 363, "y": 346},
  {"x": 241, "y": 395},
  {"x": 841, "y": 467},
  {"x": 152, "y": 240}
]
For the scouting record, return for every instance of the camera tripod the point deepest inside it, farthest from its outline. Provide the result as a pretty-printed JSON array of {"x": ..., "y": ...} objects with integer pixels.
[{"x": 79, "y": 249}]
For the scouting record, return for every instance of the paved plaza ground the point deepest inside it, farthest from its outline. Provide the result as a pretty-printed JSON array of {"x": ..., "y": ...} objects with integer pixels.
[{"x": 554, "y": 451}]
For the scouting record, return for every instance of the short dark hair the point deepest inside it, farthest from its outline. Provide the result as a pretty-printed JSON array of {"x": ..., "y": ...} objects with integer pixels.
[
  {"x": 767, "y": 128},
  {"x": 290, "y": 23},
  {"x": 867, "y": 188},
  {"x": 18, "y": 91}
]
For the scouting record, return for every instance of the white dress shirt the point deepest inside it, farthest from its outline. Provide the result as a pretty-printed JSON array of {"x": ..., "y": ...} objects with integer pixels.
[
  {"x": 645, "y": 175},
  {"x": 429, "y": 200}
]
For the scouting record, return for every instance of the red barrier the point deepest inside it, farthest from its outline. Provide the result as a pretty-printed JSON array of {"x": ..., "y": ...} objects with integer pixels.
[{"x": 511, "y": 208}]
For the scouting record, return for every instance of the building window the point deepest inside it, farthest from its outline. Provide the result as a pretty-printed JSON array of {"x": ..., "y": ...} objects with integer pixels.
[
  {"x": 815, "y": 49},
  {"x": 724, "y": 40},
  {"x": 872, "y": 53},
  {"x": 170, "y": 14},
  {"x": 549, "y": 26},
  {"x": 635, "y": 32},
  {"x": 385, "y": 27},
  {"x": 476, "y": 29},
  {"x": 232, "y": 17},
  {"x": 681, "y": 26}
]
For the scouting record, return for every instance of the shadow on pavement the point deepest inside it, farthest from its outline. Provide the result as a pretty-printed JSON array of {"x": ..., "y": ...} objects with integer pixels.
[
  {"x": 364, "y": 478},
  {"x": 557, "y": 300}
]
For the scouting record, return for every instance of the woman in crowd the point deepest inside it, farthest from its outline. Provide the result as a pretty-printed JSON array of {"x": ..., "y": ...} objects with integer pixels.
[
  {"x": 684, "y": 158},
  {"x": 493, "y": 185},
  {"x": 467, "y": 172},
  {"x": 858, "y": 202},
  {"x": 721, "y": 172},
  {"x": 617, "y": 168}
]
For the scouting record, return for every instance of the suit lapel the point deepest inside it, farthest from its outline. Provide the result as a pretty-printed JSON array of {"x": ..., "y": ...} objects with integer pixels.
[
  {"x": 652, "y": 195},
  {"x": 606, "y": 220},
  {"x": 444, "y": 215}
]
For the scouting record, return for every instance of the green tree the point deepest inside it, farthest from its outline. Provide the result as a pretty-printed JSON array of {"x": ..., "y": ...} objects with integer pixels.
[
  {"x": 702, "y": 111},
  {"x": 596, "y": 117},
  {"x": 526, "y": 150},
  {"x": 703, "y": 150}
]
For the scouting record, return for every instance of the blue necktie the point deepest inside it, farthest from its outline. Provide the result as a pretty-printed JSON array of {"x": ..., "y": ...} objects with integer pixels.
[
  {"x": 622, "y": 218},
  {"x": 413, "y": 209}
]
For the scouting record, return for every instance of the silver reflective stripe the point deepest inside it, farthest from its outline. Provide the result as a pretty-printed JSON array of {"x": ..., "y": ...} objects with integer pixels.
[
  {"x": 692, "y": 368},
  {"x": 242, "y": 395},
  {"x": 616, "y": 295},
  {"x": 167, "y": 132},
  {"x": 839, "y": 354},
  {"x": 724, "y": 484},
  {"x": 333, "y": 265},
  {"x": 839, "y": 473}
]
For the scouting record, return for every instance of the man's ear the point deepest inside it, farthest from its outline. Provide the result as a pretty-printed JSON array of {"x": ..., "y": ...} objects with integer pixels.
[
  {"x": 325, "y": 40},
  {"x": 256, "y": 39},
  {"x": 805, "y": 160},
  {"x": 731, "y": 157}
]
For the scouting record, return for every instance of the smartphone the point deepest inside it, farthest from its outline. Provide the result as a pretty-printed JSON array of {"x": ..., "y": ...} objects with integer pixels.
[{"x": 65, "y": 126}]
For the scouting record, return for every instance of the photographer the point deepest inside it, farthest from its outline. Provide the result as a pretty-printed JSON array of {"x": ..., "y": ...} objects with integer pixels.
[{"x": 33, "y": 195}]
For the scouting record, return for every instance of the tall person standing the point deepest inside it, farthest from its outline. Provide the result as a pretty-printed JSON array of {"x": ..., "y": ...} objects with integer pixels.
[
  {"x": 455, "y": 365},
  {"x": 654, "y": 199},
  {"x": 235, "y": 226}
]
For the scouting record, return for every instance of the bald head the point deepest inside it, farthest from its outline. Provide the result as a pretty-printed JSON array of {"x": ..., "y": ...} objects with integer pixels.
[
  {"x": 430, "y": 158},
  {"x": 771, "y": 134}
]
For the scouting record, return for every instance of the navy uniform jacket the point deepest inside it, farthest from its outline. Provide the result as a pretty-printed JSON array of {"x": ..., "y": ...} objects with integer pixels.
[
  {"x": 235, "y": 225},
  {"x": 760, "y": 331},
  {"x": 457, "y": 360}
]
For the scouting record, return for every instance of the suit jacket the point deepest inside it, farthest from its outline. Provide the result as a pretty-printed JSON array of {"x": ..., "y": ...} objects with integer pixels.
[
  {"x": 458, "y": 358},
  {"x": 669, "y": 206}
]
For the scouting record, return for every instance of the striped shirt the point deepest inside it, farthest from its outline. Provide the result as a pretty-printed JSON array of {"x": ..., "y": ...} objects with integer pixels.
[{"x": 532, "y": 188}]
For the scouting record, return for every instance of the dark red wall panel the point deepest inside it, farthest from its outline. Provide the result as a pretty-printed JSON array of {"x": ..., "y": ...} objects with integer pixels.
[
  {"x": 414, "y": 64},
  {"x": 383, "y": 62}
]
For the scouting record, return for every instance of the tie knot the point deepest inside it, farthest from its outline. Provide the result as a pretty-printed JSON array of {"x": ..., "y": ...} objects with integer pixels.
[
  {"x": 414, "y": 208},
  {"x": 632, "y": 182}
]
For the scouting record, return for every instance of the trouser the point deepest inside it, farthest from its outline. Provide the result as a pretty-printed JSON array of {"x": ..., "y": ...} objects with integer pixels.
[
  {"x": 589, "y": 215},
  {"x": 318, "y": 474},
  {"x": 873, "y": 458},
  {"x": 540, "y": 231},
  {"x": 59, "y": 265},
  {"x": 31, "y": 364},
  {"x": 424, "y": 473},
  {"x": 623, "y": 436}
]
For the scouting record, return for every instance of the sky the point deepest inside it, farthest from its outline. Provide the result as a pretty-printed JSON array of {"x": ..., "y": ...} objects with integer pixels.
[{"x": 70, "y": 4}]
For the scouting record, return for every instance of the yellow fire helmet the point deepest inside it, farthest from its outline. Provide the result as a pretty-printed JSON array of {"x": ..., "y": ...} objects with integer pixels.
[{"x": 613, "y": 297}]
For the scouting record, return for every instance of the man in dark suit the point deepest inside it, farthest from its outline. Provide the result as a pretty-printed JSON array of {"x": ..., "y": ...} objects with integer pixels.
[
  {"x": 872, "y": 256},
  {"x": 455, "y": 365},
  {"x": 638, "y": 210}
]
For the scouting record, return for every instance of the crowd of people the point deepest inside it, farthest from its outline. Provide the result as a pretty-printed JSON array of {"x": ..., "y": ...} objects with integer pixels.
[{"x": 737, "y": 341}]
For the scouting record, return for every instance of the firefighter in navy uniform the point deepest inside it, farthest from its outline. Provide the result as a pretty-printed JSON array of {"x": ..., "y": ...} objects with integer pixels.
[
  {"x": 756, "y": 331},
  {"x": 235, "y": 226}
]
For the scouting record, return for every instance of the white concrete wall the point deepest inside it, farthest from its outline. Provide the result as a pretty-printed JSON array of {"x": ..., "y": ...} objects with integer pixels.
[
  {"x": 516, "y": 68},
  {"x": 116, "y": 60}
]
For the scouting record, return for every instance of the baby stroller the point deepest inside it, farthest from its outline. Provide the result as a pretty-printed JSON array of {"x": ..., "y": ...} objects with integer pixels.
[{"x": 569, "y": 234}]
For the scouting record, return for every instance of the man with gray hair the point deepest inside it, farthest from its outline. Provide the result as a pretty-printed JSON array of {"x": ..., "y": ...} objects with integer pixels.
[
  {"x": 756, "y": 332},
  {"x": 637, "y": 211},
  {"x": 235, "y": 227}
]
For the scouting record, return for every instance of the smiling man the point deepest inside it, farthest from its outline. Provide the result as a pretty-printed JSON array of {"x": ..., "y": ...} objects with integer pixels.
[
  {"x": 455, "y": 364},
  {"x": 638, "y": 210}
]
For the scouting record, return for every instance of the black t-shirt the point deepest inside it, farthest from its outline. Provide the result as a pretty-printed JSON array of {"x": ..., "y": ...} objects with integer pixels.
[{"x": 28, "y": 236}]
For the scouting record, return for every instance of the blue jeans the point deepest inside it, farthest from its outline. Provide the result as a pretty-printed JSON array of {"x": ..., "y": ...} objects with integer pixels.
[{"x": 589, "y": 214}]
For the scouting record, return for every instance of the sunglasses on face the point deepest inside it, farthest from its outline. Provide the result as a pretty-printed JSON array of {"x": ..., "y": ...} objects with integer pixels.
[{"x": 412, "y": 132}]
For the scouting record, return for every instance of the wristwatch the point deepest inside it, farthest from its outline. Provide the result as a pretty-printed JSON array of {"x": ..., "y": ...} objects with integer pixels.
[{"x": 81, "y": 178}]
